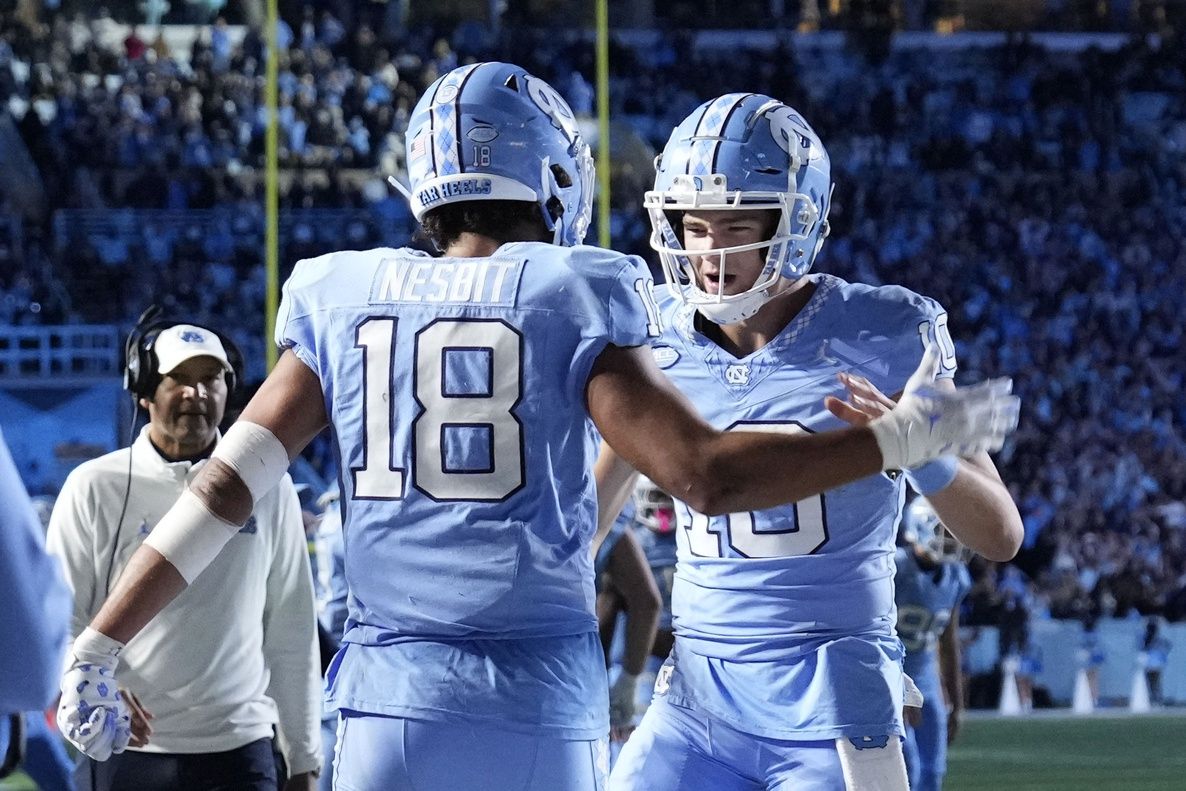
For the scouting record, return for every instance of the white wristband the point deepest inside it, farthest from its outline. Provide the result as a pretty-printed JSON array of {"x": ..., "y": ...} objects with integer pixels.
[
  {"x": 190, "y": 535},
  {"x": 257, "y": 457},
  {"x": 95, "y": 647}
]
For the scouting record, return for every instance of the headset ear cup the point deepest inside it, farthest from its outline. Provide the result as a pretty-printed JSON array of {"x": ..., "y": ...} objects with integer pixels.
[
  {"x": 139, "y": 360},
  {"x": 235, "y": 358}
]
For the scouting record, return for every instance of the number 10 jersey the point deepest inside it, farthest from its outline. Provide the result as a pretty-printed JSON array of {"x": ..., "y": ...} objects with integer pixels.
[{"x": 785, "y": 617}]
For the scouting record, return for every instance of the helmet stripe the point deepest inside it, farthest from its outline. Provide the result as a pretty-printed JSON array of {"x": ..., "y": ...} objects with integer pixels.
[
  {"x": 446, "y": 122},
  {"x": 712, "y": 123}
]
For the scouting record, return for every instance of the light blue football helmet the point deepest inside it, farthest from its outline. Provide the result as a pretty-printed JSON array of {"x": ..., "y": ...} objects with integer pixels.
[
  {"x": 922, "y": 527},
  {"x": 742, "y": 151},
  {"x": 492, "y": 131}
]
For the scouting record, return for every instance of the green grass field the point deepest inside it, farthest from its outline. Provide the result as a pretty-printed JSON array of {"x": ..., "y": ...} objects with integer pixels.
[{"x": 1043, "y": 753}]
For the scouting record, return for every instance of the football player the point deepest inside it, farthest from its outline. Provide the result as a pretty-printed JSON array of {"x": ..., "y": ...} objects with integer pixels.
[
  {"x": 628, "y": 608},
  {"x": 786, "y": 671},
  {"x": 459, "y": 391},
  {"x": 655, "y": 510},
  {"x": 930, "y": 583}
]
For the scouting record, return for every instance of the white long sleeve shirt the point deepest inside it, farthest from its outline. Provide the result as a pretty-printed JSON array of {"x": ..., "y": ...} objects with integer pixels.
[{"x": 236, "y": 652}]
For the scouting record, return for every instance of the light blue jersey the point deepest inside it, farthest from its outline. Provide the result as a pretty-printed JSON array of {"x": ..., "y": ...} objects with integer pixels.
[
  {"x": 35, "y": 616},
  {"x": 785, "y": 618},
  {"x": 456, "y": 391},
  {"x": 926, "y": 599}
]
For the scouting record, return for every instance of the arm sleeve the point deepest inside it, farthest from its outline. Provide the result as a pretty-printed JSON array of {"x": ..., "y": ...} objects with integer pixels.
[
  {"x": 290, "y": 637},
  {"x": 294, "y": 324},
  {"x": 633, "y": 313},
  {"x": 36, "y": 603}
]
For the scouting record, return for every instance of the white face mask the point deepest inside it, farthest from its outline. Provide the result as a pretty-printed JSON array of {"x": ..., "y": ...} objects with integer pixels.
[{"x": 786, "y": 261}]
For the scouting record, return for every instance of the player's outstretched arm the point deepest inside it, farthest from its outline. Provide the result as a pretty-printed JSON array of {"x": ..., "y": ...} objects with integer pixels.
[
  {"x": 281, "y": 419},
  {"x": 656, "y": 430}
]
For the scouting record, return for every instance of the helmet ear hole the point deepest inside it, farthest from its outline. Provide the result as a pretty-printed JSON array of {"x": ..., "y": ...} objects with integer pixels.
[
  {"x": 563, "y": 179},
  {"x": 555, "y": 208},
  {"x": 512, "y": 82}
]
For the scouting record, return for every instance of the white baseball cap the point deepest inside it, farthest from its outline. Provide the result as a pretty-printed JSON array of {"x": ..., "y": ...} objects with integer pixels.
[{"x": 182, "y": 342}]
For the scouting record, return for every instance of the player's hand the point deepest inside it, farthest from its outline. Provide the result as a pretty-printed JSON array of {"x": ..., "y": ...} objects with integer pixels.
[
  {"x": 621, "y": 706},
  {"x": 92, "y": 714},
  {"x": 141, "y": 718},
  {"x": 954, "y": 719},
  {"x": 865, "y": 402},
  {"x": 928, "y": 423}
]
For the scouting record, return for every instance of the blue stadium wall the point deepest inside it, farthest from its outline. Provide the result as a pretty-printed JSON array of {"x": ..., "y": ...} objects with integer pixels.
[{"x": 52, "y": 430}]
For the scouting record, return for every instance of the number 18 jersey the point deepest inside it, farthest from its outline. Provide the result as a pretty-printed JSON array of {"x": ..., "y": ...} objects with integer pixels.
[
  {"x": 456, "y": 394},
  {"x": 784, "y": 618}
]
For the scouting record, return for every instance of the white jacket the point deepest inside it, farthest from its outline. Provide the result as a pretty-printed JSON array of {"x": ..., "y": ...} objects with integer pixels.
[{"x": 236, "y": 651}]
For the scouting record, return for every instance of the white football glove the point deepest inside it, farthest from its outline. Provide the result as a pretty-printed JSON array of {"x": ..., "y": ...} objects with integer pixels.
[
  {"x": 621, "y": 700},
  {"x": 928, "y": 422},
  {"x": 92, "y": 714}
]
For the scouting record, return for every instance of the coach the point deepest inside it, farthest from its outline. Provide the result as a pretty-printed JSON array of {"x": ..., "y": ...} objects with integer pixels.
[{"x": 213, "y": 679}]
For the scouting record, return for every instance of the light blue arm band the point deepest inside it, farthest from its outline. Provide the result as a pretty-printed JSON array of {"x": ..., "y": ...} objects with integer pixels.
[{"x": 934, "y": 476}]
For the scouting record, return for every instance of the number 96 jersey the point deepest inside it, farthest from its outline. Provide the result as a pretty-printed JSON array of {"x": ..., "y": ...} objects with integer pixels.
[{"x": 785, "y": 617}]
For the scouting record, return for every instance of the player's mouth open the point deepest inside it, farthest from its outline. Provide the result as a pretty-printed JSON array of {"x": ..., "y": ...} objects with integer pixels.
[{"x": 714, "y": 283}]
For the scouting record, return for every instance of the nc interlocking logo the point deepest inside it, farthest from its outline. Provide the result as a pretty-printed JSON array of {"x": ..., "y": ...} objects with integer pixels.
[
  {"x": 737, "y": 375},
  {"x": 189, "y": 336}
]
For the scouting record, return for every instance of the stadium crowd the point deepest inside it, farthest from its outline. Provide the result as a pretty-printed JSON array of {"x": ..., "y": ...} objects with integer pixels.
[{"x": 1038, "y": 194}]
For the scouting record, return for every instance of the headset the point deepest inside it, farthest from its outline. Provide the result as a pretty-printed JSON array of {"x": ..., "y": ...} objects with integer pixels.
[
  {"x": 141, "y": 379},
  {"x": 140, "y": 364}
]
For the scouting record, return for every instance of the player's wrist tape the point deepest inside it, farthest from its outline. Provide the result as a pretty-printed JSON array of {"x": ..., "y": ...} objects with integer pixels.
[
  {"x": 934, "y": 476},
  {"x": 257, "y": 457},
  {"x": 888, "y": 432},
  {"x": 94, "y": 646},
  {"x": 190, "y": 535}
]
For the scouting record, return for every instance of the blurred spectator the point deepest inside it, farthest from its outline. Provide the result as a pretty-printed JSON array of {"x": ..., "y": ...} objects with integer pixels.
[{"x": 1038, "y": 193}]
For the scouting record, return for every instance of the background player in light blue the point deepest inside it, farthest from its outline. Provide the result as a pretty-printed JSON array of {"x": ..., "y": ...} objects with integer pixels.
[
  {"x": 459, "y": 390},
  {"x": 35, "y": 618},
  {"x": 929, "y": 585},
  {"x": 628, "y": 608},
  {"x": 654, "y": 510},
  {"x": 785, "y": 650}
]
